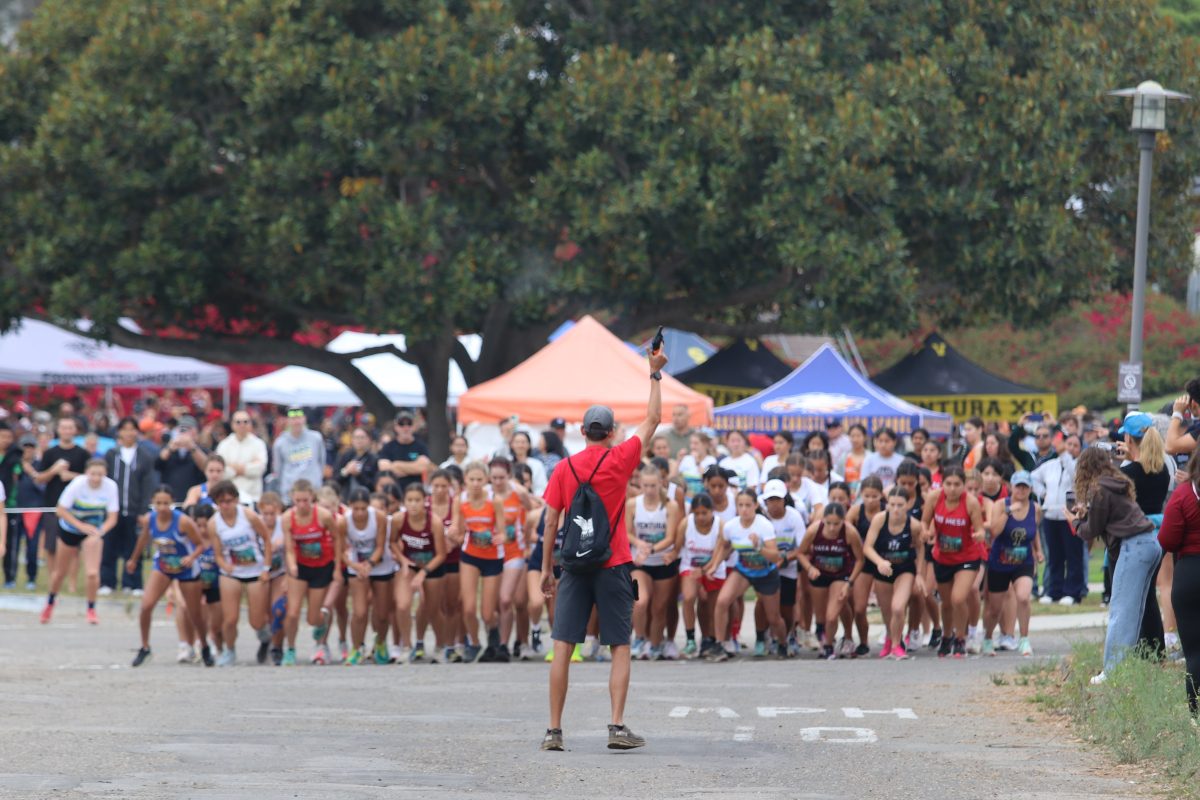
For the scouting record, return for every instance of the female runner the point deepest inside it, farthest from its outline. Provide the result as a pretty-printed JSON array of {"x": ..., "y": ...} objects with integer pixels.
[
  {"x": 654, "y": 523},
  {"x": 782, "y": 441},
  {"x": 1015, "y": 549},
  {"x": 696, "y": 463},
  {"x": 789, "y": 525},
  {"x": 241, "y": 547},
  {"x": 931, "y": 459},
  {"x": 751, "y": 538},
  {"x": 177, "y": 547},
  {"x": 700, "y": 573},
  {"x": 313, "y": 544},
  {"x": 740, "y": 460},
  {"x": 861, "y": 516},
  {"x": 214, "y": 472},
  {"x": 851, "y": 466},
  {"x": 953, "y": 522},
  {"x": 831, "y": 556},
  {"x": 270, "y": 508},
  {"x": 369, "y": 567},
  {"x": 480, "y": 529},
  {"x": 87, "y": 511},
  {"x": 419, "y": 547},
  {"x": 443, "y": 488},
  {"x": 516, "y": 501},
  {"x": 898, "y": 558}
]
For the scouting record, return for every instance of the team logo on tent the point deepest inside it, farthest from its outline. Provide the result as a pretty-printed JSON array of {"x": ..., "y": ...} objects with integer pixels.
[{"x": 814, "y": 403}]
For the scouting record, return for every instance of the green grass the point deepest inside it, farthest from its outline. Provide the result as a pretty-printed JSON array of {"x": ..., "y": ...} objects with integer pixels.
[
  {"x": 1139, "y": 715},
  {"x": 1150, "y": 405}
]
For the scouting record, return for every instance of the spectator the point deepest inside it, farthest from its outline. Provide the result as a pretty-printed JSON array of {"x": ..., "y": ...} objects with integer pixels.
[
  {"x": 551, "y": 450},
  {"x": 460, "y": 448},
  {"x": 522, "y": 453},
  {"x": 245, "y": 457},
  {"x": 149, "y": 424},
  {"x": 918, "y": 438},
  {"x": 405, "y": 457},
  {"x": 181, "y": 462},
  {"x": 507, "y": 426},
  {"x": 131, "y": 466},
  {"x": 59, "y": 465},
  {"x": 298, "y": 452},
  {"x": 10, "y": 470},
  {"x": 1063, "y": 578},
  {"x": 1180, "y": 536},
  {"x": 357, "y": 467},
  {"x": 679, "y": 435},
  {"x": 1184, "y": 430},
  {"x": 29, "y": 495}
]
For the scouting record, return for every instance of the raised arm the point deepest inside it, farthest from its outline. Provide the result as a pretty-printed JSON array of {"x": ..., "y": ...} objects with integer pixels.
[{"x": 658, "y": 360}]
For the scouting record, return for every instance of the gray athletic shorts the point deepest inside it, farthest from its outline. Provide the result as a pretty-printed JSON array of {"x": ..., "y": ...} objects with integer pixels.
[{"x": 609, "y": 590}]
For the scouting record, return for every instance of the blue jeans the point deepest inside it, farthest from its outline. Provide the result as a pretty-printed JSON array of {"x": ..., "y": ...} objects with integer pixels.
[
  {"x": 1135, "y": 569},
  {"x": 1065, "y": 554}
]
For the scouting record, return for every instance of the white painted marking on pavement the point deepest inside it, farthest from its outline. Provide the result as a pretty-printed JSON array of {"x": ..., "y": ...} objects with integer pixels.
[
  {"x": 771, "y": 712},
  {"x": 745, "y": 733},
  {"x": 860, "y": 735},
  {"x": 679, "y": 712},
  {"x": 859, "y": 713}
]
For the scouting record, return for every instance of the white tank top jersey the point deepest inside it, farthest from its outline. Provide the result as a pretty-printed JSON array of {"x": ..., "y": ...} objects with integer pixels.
[
  {"x": 278, "y": 565},
  {"x": 698, "y": 548},
  {"x": 361, "y": 542},
  {"x": 240, "y": 545},
  {"x": 650, "y": 527}
]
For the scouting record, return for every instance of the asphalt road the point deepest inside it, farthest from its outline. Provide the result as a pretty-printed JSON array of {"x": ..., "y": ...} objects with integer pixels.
[{"x": 78, "y": 722}]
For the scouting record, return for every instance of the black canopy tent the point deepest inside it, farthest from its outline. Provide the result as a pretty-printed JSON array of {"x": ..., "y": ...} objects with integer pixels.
[
  {"x": 738, "y": 371},
  {"x": 938, "y": 377}
]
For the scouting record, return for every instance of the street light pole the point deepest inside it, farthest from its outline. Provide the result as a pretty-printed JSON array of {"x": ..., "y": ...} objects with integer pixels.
[{"x": 1149, "y": 117}]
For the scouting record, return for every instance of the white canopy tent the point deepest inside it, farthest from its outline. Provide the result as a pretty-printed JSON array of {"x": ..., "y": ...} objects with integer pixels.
[
  {"x": 398, "y": 379},
  {"x": 36, "y": 353}
]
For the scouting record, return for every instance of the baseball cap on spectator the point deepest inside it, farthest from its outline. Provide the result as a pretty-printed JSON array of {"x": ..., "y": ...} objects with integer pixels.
[
  {"x": 186, "y": 422},
  {"x": 558, "y": 424},
  {"x": 1021, "y": 478},
  {"x": 833, "y": 422},
  {"x": 295, "y": 411},
  {"x": 20, "y": 407},
  {"x": 28, "y": 441},
  {"x": 775, "y": 488},
  {"x": 403, "y": 417},
  {"x": 1136, "y": 425},
  {"x": 599, "y": 419}
]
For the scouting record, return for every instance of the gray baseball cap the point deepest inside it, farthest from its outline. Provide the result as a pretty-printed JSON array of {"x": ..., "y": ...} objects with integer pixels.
[{"x": 599, "y": 418}]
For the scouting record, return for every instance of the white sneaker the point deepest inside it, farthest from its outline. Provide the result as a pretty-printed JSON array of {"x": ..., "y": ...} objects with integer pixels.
[
  {"x": 186, "y": 653},
  {"x": 811, "y": 642},
  {"x": 975, "y": 642},
  {"x": 1046, "y": 600},
  {"x": 671, "y": 651},
  {"x": 137, "y": 592},
  {"x": 730, "y": 647},
  {"x": 105, "y": 591},
  {"x": 405, "y": 655},
  {"x": 1005, "y": 642},
  {"x": 394, "y": 653},
  {"x": 1098, "y": 679},
  {"x": 846, "y": 649},
  {"x": 1067, "y": 601}
]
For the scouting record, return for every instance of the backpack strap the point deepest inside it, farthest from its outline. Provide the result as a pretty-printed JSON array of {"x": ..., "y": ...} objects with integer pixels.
[{"x": 594, "y": 471}]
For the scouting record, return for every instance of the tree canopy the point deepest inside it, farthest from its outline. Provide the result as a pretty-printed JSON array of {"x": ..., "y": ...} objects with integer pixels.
[{"x": 242, "y": 170}]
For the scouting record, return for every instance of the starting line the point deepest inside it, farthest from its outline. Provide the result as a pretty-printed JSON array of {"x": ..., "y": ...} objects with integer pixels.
[{"x": 824, "y": 735}]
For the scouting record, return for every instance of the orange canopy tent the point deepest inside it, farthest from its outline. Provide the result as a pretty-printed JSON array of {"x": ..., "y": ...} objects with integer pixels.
[{"x": 584, "y": 366}]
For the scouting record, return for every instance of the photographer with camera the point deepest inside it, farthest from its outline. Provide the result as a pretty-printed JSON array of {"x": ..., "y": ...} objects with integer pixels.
[
  {"x": 1184, "y": 430},
  {"x": 1106, "y": 508}
]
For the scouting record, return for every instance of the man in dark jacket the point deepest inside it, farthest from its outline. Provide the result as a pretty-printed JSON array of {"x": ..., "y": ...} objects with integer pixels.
[{"x": 132, "y": 465}]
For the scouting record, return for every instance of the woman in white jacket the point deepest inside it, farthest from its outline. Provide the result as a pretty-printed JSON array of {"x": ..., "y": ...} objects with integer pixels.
[{"x": 1063, "y": 580}]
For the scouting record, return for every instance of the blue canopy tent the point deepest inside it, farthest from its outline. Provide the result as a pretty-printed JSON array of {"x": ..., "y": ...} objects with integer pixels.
[
  {"x": 684, "y": 350},
  {"x": 826, "y": 386}
]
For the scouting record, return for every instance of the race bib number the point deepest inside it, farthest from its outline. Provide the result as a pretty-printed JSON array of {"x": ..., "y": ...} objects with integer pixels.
[
  {"x": 950, "y": 544},
  {"x": 898, "y": 556},
  {"x": 829, "y": 564},
  {"x": 1013, "y": 556},
  {"x": 421, "y": 557},
  {"x": 481, "y": 538},
  {"x": 310, "y": 551},
  {"x": 752, "y": 559},
  {"x": 245, "y": 557},
  {"x": 653, "y": 537},
  {"x": 701, "y": 560},
  {"x": 170, "y": 564},
  {"x": 510, "y": 534}
]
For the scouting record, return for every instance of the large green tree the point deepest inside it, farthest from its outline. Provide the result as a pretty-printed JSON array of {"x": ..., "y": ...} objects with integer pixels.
[{"x": 243, "y": 170}]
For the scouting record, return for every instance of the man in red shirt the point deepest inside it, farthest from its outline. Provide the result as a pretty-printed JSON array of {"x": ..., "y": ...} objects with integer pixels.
[{"x": 610, "y": 589}]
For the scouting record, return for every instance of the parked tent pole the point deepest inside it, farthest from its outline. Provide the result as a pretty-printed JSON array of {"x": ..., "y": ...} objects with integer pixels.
[
  {"x": 225, "y": 399},
  {"x": 862, "y": 367},
  {"x": 108, "y": 404}
]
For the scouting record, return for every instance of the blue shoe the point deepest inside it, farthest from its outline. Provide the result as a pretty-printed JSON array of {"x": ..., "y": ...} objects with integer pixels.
[
  {"x": 760, "y": 649},
  {"x": 471, "y": 653},
  {"x": 10, "y": 584}
]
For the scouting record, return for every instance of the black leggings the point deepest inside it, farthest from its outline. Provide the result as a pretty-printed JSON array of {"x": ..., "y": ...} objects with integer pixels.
[{"x": 1185, "y": 596}]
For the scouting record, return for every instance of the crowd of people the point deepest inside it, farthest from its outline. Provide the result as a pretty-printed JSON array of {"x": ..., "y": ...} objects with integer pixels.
[{"x": 442, "y": 561}]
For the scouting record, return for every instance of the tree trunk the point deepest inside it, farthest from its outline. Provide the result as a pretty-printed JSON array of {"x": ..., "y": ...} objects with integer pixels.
[{"x": 432, "y": 357}]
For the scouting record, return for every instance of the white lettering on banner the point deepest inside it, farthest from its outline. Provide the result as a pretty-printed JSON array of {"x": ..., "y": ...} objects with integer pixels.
[
  {"x": 679, "y": 712},
  {"x": 745, "y": 733},
  {"x": 858, "y": 713},
  {"x": 856, "y": 735},
  {"x": 771, "y": 712}
]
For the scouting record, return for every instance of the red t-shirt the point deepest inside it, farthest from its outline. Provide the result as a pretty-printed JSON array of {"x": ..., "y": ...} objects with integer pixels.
[
  {"x": 610, "y": 482},
  {"x": 1180, "y": 531}
]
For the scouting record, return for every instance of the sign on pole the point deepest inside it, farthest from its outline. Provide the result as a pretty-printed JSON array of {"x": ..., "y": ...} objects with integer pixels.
[{"x": 1129, "y": 382}]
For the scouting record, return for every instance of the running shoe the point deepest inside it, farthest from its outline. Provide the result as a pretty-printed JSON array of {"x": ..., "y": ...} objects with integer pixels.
[
  {"x": 448, "y": 655},
  {"x": 989, "y": 647},
  {"x": 1046, "y": 600},
  {"x": 264, "y": 650},
  {"x": 1067, "y": 601},
  {"x": 289, "y": 658},
  {"x": 829, "y": 654},
  {"x": 811, "y": 641},
  {"x": 353, "y": 658},
  {"x": 517, "y": 655},
  {"x": 143, "y": 655},
  {"x": 276, "y": 656},
  {"x": 92, "y": 619},
  {"x": 846, "y": 649},
  {"x": 185, "y": 654},
  {"x": 487, "y": 656},
  {"x": 455, "y": 655},
  {"x": 656, "y": 653},
  {"x": 137, "y": 592},
  {"x": 974, "y": 643},
  {"x": 960, "y": 648},
  {"x": 671, "y": 651},
  {"x": 1025, "y": 648},
  {"x": 435, "y": 657},
  {"x": 553, "y": 740},
  {"x": 30, "y": 586},
  {"x": 227, "y": 658},
  {"x": 393, "y": 653},
  {"x": 760, "y": 649},
  {"x": 318, "y": 633},
  {"x": 935, "y": 640},
  {"x": 576, "y": 654},
  {"x": 898, "y": 653},
  {"x": 863, "y": 650},
  {"x": 320, "y": 656},
  {"x": 1098, "y": 679},
  {"x": 621, "y": 738},
  {"x": 913, "y": 640},
  {"x": 405, "y": 655},
  {"x": 502, "y": 655},
  {"x": 793, "y": 648},
  {"x": 380, "y": 652},
  {"x": 601, "y": 655},
  {"x": 343, "y": 651},
  {"x": 886, "y": 650},
  {"x": 535, "y": 641},
  {"x": 418, "y": 653},
  {"x": 730, "y": 647},
  {"x": 946, "y": 644},
  {"x": 1006, "y": 642},
  {"x": 10, "y": 584},
  {"x": 716, "y": 654},
  {"x": 471, "y": 653},
  {"x": 206, "y": 656},
  {"x": 638, "y": 650},
  {"x": 104, "y": 591},
  {"x": 782, "y": 652}
]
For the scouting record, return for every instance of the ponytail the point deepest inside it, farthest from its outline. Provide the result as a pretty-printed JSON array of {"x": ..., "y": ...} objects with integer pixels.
[{"x": 1152, "y": 454}]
